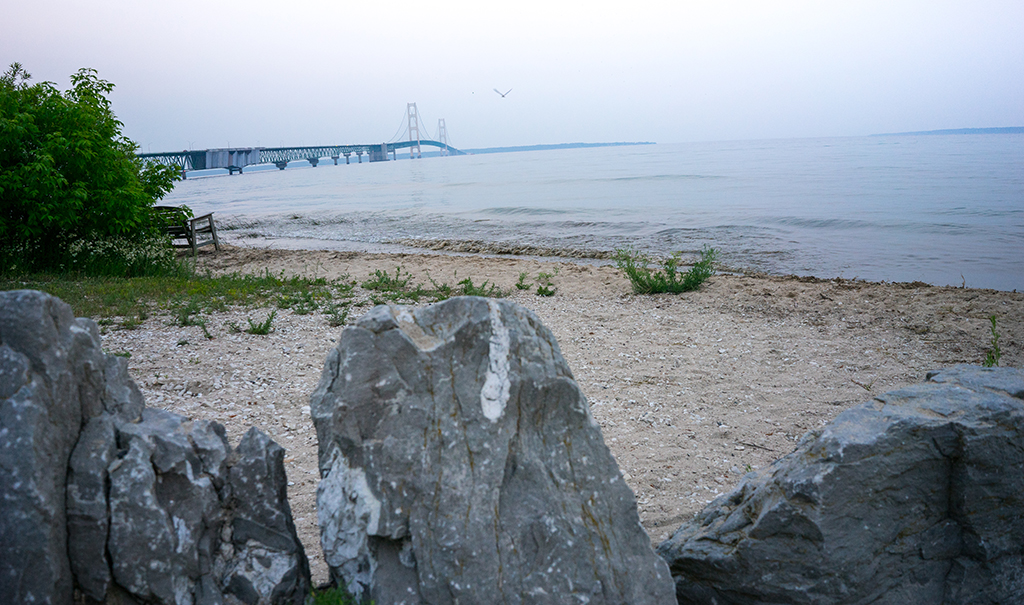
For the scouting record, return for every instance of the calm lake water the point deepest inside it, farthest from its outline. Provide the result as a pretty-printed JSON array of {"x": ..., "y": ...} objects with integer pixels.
[{"x": 942, "y": 209}]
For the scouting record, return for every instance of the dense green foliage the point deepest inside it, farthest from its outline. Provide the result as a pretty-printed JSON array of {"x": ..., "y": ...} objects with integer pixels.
[
  {"x": 73, "y": 194},
  {"x": 637, "y": 267}
]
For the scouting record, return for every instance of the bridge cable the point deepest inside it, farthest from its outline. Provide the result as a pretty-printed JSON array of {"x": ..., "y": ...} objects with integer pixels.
[
  {"x": 424, "y": 127},
  {"x": 402, "y": 128}
]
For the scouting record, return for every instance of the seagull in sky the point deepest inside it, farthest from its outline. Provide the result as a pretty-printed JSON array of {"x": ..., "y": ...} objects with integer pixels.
[{"x": 502, "y": 93}]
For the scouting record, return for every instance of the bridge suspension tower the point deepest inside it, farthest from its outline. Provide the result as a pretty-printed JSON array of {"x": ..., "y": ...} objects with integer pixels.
[
  {"x": 442, "y": 136},
  {"x": 414, "y": 131}
]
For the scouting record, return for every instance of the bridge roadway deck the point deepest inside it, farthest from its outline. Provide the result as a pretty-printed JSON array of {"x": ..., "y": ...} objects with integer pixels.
[{"x": 237, "y": 158}]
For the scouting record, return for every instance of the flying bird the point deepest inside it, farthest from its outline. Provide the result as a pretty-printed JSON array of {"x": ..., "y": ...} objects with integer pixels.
[{"x": 502, "y": 93}]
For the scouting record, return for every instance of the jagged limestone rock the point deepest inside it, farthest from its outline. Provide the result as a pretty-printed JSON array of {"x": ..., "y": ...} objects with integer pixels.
[
  {"x": 460, "y": 464},
  {"x": 916, "y": 496},
  {"x": 52, "y": 368},
  {"x": 87, "y": 514},
  {"x": 163, "y": 509},
  {"x": 268, "y": 556},
  {"x": 192, "y": 521},
  {"x": 126, "y": 504}
]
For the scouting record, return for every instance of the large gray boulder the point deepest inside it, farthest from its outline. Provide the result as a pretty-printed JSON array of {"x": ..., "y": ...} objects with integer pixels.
[
  {"x": 267, "y": 560},
  {"x": 916, "y": 496},
  {"x": 460, "y": 464},
  {"x": 121, "y": 502},
  {"x": 192, "y": 521},
  {"x": 165, "y": 513},
  {"x": 53, "y": 377}
]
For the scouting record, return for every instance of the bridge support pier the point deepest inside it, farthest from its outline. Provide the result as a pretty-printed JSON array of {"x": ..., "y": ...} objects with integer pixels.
[
  {"x": 378, "y": 154},
  {"x": 346, "y": 156},
  {"x": 335, "y": 158},
  {"x": 313, "y": 161},
  {"x": 281, "y": 165},
  {"x": 359, "y": 155}
]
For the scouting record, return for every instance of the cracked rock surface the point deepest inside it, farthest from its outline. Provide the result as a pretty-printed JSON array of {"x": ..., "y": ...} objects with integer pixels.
[
  {"x": 460, "y": 463},
  {"x": 51, "y": 379},
  {"x": 105, "y": 500},
  {"x": 916, "y": 496}
]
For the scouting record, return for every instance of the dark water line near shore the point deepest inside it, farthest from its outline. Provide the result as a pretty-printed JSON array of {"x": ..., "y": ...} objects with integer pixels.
[{"x": 893, "y": 208}]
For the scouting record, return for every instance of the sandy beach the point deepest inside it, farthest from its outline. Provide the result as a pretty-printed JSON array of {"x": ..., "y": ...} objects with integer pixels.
[{"x": 691, "y": 390}]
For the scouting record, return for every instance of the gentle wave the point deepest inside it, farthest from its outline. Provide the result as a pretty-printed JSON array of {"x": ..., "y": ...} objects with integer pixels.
[
  {"x": 907, "y": 210},
  {"x": 521, "y": 210},
  {"x": 664, "y": 177}
]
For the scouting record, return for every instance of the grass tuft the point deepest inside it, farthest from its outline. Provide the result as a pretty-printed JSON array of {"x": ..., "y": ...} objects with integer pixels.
[
  {"x": 637, "y": 267},
  {"x": 186, "y": 314},
  {"x": 301, "y": 303},
  {"x": 185, "y": 295},
  {"x": 546, "y": 284},
  {"x": 380, "y": 281},
  {"x": 337, "y": 314},
  {"x": 335, "y": 595},
  {"x": 491, "y": 291},
  {"x": 993, "y": 355},
  {"x": 385, "y": 288},
  {"x": 263, "y": 328},
  {"x": 442, "y": 291}
]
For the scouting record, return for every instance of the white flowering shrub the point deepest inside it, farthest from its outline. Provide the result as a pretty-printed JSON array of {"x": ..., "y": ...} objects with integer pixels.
[{"x": 123, "y": 257}]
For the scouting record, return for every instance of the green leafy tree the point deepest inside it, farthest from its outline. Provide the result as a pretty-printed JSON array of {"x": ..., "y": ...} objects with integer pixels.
[{"x": 67, "y": 173}]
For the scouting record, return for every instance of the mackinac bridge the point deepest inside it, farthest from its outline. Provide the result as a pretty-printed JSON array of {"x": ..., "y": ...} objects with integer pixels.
[{"x": 235, "y": 159}]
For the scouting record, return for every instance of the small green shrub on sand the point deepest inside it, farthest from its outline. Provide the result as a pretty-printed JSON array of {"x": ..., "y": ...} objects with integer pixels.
[
  {"x": 382, "y": 282},
  {"x": 301, "y": 303},
  {"x": 442, "y": 291},
  {"x": 261, "y": 329},
  {"x": 186, "y": 313},
  {"x": 637, "y": 267},
  {"x": 335, "y": 595},
  {"x": 385, "y": 288},
  {"x": 546, "y": 284},
  {"x": 993, "y": 355},
  {"x": 337, "y": 314},
  {"x": 485, "y": 289}
]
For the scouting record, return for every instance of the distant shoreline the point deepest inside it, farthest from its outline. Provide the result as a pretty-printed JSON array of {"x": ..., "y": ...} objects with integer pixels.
[
  {"x": 555, "y": 146},
  {"x": 1000, "y": 130}
]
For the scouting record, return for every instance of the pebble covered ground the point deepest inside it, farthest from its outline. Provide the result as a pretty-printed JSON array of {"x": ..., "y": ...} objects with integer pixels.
[{"x": 691, "y": 390}]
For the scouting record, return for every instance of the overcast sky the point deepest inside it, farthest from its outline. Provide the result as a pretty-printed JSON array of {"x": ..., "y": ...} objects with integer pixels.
[{"x": 212, "y": 74}]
